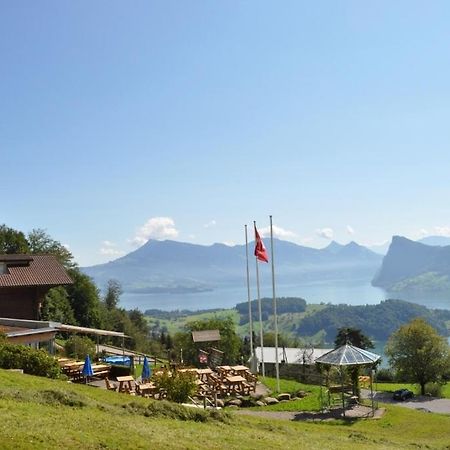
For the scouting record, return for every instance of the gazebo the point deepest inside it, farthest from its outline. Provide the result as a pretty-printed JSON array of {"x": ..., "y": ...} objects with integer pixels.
[{"x": 349, "y": 356}]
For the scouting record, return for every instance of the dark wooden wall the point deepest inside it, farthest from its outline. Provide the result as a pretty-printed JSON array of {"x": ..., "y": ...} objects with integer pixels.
[{"x": 20, "y": 303}]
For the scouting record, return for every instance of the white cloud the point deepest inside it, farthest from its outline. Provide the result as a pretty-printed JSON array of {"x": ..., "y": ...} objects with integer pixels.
[
  {"x": 278, "y": 232},
  {"x": 109, "y": 249},
  {"x": 306, "y": 240},
  {"x": 325, "y": 233},
  {"x": 229, "y": 243},
  {"x": 442, "y": 231},
  {"x": 435, "y": 231},
  {"x": 350, "y": 230},
  {"x": 155, "y": 228},
  {"x": 210, "y": 224}
]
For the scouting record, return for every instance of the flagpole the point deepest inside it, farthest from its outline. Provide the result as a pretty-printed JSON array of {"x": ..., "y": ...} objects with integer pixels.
[
  {"x": 250, "y": 319},
  {"x": 277, "y": 369},
  {"x": 261, "y": 337}
]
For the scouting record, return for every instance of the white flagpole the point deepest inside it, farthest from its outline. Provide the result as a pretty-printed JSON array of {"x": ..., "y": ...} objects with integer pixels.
[
  {"x": 250, "y": 319},
  {"x": 261, "y": 337},
  {"x": 277, "y": 369}
]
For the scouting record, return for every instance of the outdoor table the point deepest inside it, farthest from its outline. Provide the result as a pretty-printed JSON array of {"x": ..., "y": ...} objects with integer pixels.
[
  {"x": 125, "y": 383},
  {"x": 239, "y": 370},
  {"x": 73, "y": 369},
  {"x": 64, "y": 361},
  {"x": 224, "y": 371},
  {"x": 235, "y": 384},
  {"x": 147, "y": 389},
  {"x": 100, "y": 369},
  {"x": 204, "y": 374}
]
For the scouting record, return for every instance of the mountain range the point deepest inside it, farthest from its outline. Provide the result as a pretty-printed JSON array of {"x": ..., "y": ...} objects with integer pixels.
[
  {"x": 179, "y": 267},
  {"x": 415, "y": 267}
]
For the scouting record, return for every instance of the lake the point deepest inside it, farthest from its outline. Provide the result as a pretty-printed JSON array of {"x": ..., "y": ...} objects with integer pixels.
[{"x": 358, "y": 292}]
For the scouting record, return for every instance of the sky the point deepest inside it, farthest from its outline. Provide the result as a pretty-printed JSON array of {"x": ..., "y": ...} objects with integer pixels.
[{"x": 126, "y": 121}]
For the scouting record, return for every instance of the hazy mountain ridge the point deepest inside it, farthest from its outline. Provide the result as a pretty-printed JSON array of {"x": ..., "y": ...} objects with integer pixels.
[
  {"x": 170, "y": 266},
  {"x": 414, "y": 267}
]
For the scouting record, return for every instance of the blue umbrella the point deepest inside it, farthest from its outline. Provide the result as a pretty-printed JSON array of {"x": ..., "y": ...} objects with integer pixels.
[
  {"x": 146, "y": 371},
  {"x": 87, "y": 368}
]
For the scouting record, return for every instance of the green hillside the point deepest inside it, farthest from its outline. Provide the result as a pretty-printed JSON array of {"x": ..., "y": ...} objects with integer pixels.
[
  {"x": 316, "y": 323},
  {"x": 37, "y": 413}
]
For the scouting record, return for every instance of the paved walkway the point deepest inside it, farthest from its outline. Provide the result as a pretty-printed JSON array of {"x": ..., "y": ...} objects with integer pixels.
[
  {"x": 421, "y": 402},
  {"x": 356, "y": 412}
]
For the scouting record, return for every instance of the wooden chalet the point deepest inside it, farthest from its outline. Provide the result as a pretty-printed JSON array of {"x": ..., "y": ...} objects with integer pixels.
[{"x": 24, "y": 282}]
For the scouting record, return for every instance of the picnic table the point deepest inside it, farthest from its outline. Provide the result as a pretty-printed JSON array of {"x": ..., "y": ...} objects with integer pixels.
[
  {"x": 147, "y": 389},
  {"x": 100, "y": 370},
  {"x": 125, "y": 383},
  {"x": 224, "y": 371},
  {"x": 73, "y": 369},
  {"x": 236, "y": 384},
  {"x": 204, "y": 374},
  {"x": 240, "y": 370}
]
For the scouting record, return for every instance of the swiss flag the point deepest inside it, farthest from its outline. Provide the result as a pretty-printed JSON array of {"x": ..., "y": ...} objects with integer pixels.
[{"x": 260, "y": 250}]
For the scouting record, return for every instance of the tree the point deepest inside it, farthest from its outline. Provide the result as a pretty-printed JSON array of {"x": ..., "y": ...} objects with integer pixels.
[
  {"x": 40, "y": 242},
  {"x": 353, "y": 336},
  {"x": 12, "y": 241},
  {"x": 84, "y": 299},
  {"x": 56, "y": 306},
  {"x": 418, "y": 353},
  {"x": 229, "y": 343},
  {"x": 113, "y": 293}
]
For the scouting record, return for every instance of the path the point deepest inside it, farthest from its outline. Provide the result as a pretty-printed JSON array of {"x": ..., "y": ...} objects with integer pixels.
[
  {"x": 355, "y": 412},
  {"x": 421, "y": 402}
]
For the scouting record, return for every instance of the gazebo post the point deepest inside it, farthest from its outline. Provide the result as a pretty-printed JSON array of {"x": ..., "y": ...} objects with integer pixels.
[
  {"x": 371, "y": 390},
  {"x": 342, "y": 387}
]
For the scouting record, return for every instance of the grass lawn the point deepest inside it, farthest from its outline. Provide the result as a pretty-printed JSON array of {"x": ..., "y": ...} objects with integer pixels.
[
  {"x": 391, "y": 387},
  {"x": 309, "y": 403},
  {"x": 37, "y": 413}
]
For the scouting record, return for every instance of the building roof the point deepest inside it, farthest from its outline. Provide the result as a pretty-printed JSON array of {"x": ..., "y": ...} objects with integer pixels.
[
  {"x": 10, "y": 326},
  {"x": 290, "y": 355},
  {"x": 348, "y": 355},
  {"x": 32, "y": 270}
]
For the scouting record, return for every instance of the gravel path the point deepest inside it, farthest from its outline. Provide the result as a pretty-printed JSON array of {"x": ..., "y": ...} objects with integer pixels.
[
  {"x": 424, "y": 403},
  {"x": 356, "y": 412}
]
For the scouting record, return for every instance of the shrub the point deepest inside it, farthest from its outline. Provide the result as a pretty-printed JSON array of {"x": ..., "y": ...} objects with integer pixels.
[
  {"x": 434, "y": 389},
  {"x": 385, "y": 375},
  {"x": 32, "y": 361},
  {"x": 178, "y": 385},
  {"x": 79, "y": 346}
]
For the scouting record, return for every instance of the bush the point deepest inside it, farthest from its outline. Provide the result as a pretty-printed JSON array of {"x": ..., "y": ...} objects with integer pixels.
[
  {"x": 434, "y": 389},
  {"x": 178, "y": 385},
  {"x": 385, "y": 375},
  {"x": 32, "y": 361},
  {"x": 79, "y": 346}
]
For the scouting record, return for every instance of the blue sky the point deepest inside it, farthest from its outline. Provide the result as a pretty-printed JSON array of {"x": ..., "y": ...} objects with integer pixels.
[{"x": 187, "y": 119}]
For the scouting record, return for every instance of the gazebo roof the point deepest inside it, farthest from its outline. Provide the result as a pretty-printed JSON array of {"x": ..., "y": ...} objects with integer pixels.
[{"x": 348, "y": 355}]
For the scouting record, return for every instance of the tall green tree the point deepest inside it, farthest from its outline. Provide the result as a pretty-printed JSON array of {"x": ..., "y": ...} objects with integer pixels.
[
  {"x": 418, "y": 353},
  {"x": 229, "y": 344},
  {"x": 113, "y": 293},
  {"x": 84, "y": 299},
  {"x": 56, "y": 307},
  {"x": 12, "y": 241},
  {"x": 353, "y": 336},
  {"x": 40, "y": 242}
]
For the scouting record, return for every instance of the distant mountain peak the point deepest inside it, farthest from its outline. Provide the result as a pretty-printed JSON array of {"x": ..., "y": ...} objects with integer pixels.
[{"x": 333, "y": 247}]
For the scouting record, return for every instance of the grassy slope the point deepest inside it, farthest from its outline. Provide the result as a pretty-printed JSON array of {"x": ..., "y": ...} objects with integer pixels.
[
  {"x": 285, "y": 321},
  {"x": 30, "y": 419}
]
